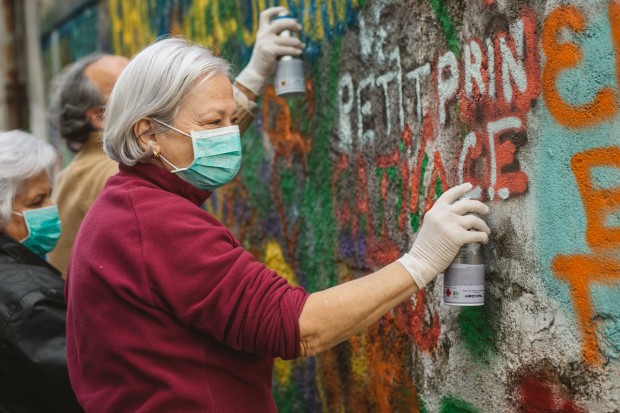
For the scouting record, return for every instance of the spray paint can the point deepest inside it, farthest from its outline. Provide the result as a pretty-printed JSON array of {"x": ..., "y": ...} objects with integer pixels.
[
  {"x": 463, "y": 280},
  {"x": 289, "y": 80}
]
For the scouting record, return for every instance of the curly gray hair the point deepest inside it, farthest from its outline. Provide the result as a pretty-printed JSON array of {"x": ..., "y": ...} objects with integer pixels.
[{"x": 73, "y": 94}]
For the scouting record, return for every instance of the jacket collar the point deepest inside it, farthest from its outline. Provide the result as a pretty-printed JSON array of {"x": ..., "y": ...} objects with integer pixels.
[
  {"x": 165, "y": 180},
  {"x": 12, "y": 252},
  {"x": 92, "y": 145}
]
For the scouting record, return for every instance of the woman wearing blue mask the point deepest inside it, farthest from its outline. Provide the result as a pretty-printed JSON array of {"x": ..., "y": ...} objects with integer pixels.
[
  {"x": 33, "y": 367},
  {"x": 167, "y": 312}
]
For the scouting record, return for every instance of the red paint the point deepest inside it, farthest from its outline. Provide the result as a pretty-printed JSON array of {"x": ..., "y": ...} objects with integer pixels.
[
  {"x": 362, "y": 195},
  {"x": 538, "y": 395},
  {"x": 411, "y": 322},
  {"x": 507, "y": 171},
  {"x": 428, "y": 132},
  {"x": 480, "y": 107},
  {"x": 381, "y": 251},
  {"x": 438, "y": 173}
]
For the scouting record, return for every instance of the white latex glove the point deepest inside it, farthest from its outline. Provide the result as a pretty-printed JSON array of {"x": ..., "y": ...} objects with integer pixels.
[
  {"x": 444, "y": 230},
  {"x": 268, "y": 47}
]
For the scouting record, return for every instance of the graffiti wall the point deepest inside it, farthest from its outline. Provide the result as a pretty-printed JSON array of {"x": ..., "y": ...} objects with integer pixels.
[{"x": 404, "y": 100}]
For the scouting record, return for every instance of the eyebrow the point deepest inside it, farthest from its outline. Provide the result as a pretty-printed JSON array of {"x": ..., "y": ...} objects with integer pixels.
[{"x": 220, "y": 112}]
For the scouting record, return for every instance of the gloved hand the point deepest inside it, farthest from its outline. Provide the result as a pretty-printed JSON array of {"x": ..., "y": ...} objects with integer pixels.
[
  {"x": 444, "y": 230},
  {"x": 268, "y": 47}
]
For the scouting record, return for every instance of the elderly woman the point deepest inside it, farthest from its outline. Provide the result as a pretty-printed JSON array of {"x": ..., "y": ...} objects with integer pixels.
[
  {"x": 167, "y": 311},
  {"x": 33, "y": 366}
]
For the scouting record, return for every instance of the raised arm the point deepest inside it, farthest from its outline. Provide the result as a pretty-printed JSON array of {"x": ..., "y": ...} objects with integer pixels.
[{"x": 334, "y": 315}]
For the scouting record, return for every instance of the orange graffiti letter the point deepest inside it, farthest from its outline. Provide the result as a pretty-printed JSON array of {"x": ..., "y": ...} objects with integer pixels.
[
  {"x": 582, "y": 270},
  {"x": 561, "y": 56},
  {"x": 614, "y": 23}
]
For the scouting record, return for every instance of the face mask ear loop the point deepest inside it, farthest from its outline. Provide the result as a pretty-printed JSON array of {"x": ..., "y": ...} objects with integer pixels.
[
  {"x": 174, "y": 168},
  {"x": 171, "y": 127},
  {"x": 27, "y": 224}
]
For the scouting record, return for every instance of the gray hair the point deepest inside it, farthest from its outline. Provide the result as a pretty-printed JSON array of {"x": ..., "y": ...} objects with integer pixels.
[
  {"x": 22, "y": 156},
  {"x": 73, "y": 94},
  {"x": 154, "y": 84}
]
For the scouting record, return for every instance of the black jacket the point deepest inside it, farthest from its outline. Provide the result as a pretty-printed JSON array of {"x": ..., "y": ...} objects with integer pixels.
[{"x": 33, "y": 363}]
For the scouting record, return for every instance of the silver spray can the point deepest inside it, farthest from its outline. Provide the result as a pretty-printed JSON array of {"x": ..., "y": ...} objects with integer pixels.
[
  {"x": 463, "y": 280},
  {"x": 289, "y": 80}
]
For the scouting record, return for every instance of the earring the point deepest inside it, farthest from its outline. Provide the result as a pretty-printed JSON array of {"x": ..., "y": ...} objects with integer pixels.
[{"x": 155, "y": 153}]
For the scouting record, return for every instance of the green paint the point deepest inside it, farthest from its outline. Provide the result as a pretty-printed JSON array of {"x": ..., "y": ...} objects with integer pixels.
[
  {"x": 453, "y": 405},
  {"x": 288, "y": 185},
  {"x": 422, "y": 405},
  {"x": 288, "y": 398},
  {"x": 258, "y": 191},
  {"x": 449, "y": 30},
  {"x": 438, "y": 187},
  {"x": 477, "y": 332},
  {"x": 318, "y": 239},
  {"x": 414, "y": 221},
  {"x": 392, "y": 172}
]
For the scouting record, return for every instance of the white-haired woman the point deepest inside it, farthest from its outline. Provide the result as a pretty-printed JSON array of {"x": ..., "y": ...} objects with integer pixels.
[
  {"x": 167, "y": 311},
  {"x": 33, "y": 365}
]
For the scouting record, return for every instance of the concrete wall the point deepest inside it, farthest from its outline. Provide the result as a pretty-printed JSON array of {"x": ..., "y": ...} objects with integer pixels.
[{"x": 405, "y": 99}]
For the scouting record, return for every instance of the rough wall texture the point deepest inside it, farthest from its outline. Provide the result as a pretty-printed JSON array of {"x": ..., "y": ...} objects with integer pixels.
[{"x": 405, "y": 99}]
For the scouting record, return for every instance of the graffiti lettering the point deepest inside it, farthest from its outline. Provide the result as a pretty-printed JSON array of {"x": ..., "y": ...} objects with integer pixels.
[
  {"x": 562, "y": 56},
  {"x": 500, "y": 145},
  {"x": 582, "y": 270}
]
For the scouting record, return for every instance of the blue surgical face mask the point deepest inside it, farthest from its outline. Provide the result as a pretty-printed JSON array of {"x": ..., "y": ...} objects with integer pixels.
[
  {"x": 217, "y": 157},
  {"x": 43, "y": 229}
]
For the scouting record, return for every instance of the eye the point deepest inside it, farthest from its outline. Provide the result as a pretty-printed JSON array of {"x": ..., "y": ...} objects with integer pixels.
[{"x": 37, "y": 202}]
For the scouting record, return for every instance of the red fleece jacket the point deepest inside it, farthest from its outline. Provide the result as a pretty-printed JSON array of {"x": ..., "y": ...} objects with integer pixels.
[{"x": 166, "y": 311}]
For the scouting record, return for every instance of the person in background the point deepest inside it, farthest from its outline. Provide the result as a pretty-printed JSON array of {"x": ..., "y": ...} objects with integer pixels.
[
  {"x": 77, "y": 108},
  {"x": 161, "y": 296},
  {"x": 33, "y": 365}
]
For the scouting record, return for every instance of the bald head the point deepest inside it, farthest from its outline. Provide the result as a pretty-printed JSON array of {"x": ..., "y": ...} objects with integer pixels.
[
  {"x": 104, "y": 73},
  {"x": 79, "y": 94}
]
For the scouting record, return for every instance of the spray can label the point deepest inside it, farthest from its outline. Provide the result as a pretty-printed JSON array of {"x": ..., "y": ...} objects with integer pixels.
[{"x": 463, "y": 284}]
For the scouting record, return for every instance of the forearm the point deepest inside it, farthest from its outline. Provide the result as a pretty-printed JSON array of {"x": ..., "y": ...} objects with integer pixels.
[
  {"x": 244, "y": 116},
  {"x": 334, "y": 315}
]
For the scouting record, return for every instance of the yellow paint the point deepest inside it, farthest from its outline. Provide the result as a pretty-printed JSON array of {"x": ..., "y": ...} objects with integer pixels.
[
  {"x": 341, "y": 10},
  {"x": 307, "y": 22},
  {"x": 330, "y": 13},
  {"x": 131, "y": 29},
  {"x": 129, "y": 24},
  {"x": 274, "y": 260},
  {"x": 319, "y": 31},
  {"x": 359, "y": 366}
]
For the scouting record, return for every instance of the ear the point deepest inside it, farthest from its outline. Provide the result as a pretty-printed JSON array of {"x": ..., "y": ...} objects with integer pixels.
[
  {"x": 95, "y": 117},
  {"x": 143, "y": 131}
]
